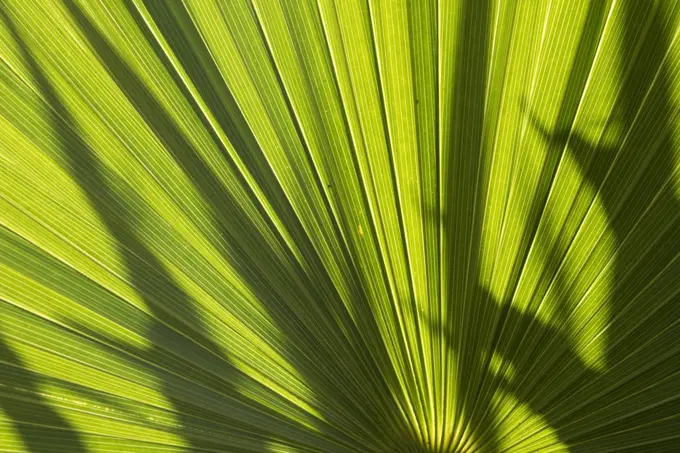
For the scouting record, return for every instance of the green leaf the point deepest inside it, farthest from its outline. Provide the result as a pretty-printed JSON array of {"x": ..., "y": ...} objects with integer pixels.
[{"x": 339, "y": 226}]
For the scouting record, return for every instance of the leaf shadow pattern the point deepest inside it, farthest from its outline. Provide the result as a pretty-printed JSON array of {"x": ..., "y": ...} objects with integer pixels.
[
  {"x": 634, "y": 181},
  {"x": 626, "y": 406}
]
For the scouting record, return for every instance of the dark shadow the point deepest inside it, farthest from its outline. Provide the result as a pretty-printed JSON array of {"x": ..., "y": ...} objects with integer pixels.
[
  {"x": 583, "y": 406},
  {"x": 482, "y": 416},
  {"x": 462, "y": 214},
  {"x": 633, "y": 180}
]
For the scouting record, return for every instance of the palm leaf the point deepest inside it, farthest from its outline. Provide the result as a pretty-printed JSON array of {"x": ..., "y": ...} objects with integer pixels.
[{"x": 339, "y": 226}]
